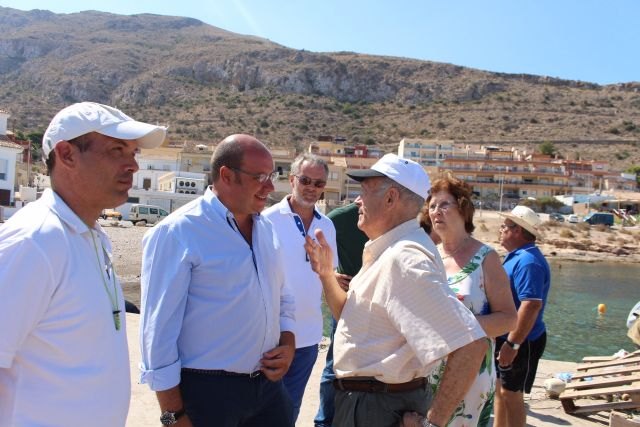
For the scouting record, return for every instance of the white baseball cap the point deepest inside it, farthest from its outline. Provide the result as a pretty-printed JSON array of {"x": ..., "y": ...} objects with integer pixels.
[
  {"x": 85, "y": 117},
  {"x": 525, "y": 218},
  {"x": 405, "y": 172}
]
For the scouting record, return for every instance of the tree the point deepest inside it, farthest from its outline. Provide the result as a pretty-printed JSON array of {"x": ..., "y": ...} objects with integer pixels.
[
  {"x": 547, "y": 148},
  {"x": 636, "y": 170}
]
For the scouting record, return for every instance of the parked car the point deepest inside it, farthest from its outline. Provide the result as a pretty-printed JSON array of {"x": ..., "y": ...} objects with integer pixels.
[
  {"x": 147, "y": 214},
  {"x": 594, "y": 218},
  {"x": 111, "y": 213},
  {"x": 573, "y": 219},
  {"x": 556, "y": 217}
]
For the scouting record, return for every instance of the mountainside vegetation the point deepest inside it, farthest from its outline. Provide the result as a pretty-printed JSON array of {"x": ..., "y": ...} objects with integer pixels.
[{"x": 205, "y": 83}]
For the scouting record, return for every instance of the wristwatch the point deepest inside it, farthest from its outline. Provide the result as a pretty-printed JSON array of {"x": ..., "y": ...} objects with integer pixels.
[
  {"x": 513, "y": 345},
  {"x": 169, "y": 418},
  {"x": 427, "y": 423}
]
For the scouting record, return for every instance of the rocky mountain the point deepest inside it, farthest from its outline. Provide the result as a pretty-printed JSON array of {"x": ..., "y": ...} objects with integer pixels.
[{"x": 205, "y": 83}]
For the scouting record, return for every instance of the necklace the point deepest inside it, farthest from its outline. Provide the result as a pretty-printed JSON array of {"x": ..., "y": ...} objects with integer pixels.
[
  {"x": 449, "y": 255},
  {"x": 113, "y": 298}
]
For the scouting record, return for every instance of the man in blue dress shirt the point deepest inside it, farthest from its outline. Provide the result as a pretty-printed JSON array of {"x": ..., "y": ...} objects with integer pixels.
[{"x": 216, "y": 313}]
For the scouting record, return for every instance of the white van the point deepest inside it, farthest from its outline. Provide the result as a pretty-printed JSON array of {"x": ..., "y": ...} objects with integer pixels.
[{"x": 148, "y": 214}]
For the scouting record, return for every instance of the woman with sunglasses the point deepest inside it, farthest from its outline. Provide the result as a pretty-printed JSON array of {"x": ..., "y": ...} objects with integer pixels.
[{"x": 476, "y": 276}]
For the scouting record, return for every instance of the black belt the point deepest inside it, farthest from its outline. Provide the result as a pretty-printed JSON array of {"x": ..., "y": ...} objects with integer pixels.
[
  {"x": 375, "y": 386},
  {"x": 221, "y": 373}
]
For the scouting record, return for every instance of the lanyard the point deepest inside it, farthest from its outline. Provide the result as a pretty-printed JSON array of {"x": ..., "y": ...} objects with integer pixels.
[
  {"x": 300, "y": 225},
  {"x": 113, "y": 298}
]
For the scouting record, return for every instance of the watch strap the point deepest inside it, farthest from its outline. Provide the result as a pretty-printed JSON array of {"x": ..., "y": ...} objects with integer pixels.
[{"x": 513, "y": 345}]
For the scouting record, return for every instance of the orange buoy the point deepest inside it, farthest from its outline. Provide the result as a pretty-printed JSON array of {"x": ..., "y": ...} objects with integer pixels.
[{"x": 602, "y": 308}]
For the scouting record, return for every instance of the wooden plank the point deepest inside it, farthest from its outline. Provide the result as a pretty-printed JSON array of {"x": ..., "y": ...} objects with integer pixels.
[
  {"x": 606, "y": 358},
  {"x": 573, "y": 394},
  {"x": 603, "y": 382},
  {"x": 571, "y": 408},
  {"x": 615, "y": 362},
  {"x": 606, "y": 371}
]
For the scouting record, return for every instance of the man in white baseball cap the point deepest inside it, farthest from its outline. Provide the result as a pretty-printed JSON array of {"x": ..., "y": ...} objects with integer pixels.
[
  {"x": 518, "y": 352},
  {"x": 63, "y": 347},
  {"x": 399, "y": 317}
]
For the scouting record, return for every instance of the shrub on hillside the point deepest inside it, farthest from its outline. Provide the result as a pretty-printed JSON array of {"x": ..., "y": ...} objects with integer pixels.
[{"x": 566, "y": 233}]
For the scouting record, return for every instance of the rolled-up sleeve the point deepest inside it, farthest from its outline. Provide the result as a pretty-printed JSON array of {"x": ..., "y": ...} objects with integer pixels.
[{"x": 165, "y": 278}]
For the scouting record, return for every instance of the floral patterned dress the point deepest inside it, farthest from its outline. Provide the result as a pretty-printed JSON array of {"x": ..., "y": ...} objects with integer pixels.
[{"x": 475, "y": 409}]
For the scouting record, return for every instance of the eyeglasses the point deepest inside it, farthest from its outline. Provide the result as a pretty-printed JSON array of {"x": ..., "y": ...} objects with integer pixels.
[
  {"x": 262, "y": 178},
  {"x": 305, "y": 180},
  {"x": 505, "y": 226},
  {"x": 444, "y": 207}
]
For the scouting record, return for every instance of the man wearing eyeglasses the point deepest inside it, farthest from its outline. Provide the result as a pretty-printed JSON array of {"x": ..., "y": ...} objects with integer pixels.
[
  {"x": 293, "y": 218},
  {"x": 399, "y": 317},
  {"x": 63, "y": 343},
  {"x": 217, "y": 316},
  {"x": 518, "y": 352}
]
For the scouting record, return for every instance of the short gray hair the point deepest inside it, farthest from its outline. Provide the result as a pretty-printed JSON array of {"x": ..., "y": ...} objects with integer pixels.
[
  {"x": 409, "y": 197},
  {"x": 312, "y": 159}
]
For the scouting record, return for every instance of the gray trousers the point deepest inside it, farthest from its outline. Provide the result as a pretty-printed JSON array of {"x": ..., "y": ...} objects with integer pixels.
[{"x": 362, "y": 409}]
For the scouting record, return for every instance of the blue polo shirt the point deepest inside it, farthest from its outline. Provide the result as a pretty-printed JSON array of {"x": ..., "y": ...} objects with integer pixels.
[{"x": 530, "y": 279}]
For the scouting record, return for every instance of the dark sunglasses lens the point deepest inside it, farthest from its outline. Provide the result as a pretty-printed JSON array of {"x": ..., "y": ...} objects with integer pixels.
[{"x": 304, "y": 180}]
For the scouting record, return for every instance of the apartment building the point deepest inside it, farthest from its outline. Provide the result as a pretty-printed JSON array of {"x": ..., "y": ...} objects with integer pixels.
[{"x": 494, "y": 173}]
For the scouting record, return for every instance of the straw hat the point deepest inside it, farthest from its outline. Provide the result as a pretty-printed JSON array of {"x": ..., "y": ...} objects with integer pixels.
[{"x": 525, "y": 218}]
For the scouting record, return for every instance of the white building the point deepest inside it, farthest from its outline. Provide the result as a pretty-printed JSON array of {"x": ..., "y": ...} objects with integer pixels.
[{"x": 9, "y": 156}]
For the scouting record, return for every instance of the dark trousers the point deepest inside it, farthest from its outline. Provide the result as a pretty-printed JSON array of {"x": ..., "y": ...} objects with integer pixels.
[
  {"x": 295, "y": 381},
  {"x": 362, "y": 409},
  {"x": 225, "y": 401}
]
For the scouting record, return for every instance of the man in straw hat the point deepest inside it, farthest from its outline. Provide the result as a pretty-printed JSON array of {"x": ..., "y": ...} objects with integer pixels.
[
  {"x": 63, "y": 346},
  {"x": 518, "y": 353},
  {"x": 399, "y": 317}
]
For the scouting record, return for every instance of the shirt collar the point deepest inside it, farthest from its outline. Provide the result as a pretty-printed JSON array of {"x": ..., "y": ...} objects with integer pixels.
[
  {"x": 58, "y": 206},
  {"x": 285, "y": 208},
  {"x": 516, "y": 251},
  {"x": 374, "y": 248},
  {"x": 220, "y": 210}
]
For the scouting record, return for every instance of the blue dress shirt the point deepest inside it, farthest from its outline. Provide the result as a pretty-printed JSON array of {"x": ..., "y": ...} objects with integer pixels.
[{"x": 209, "y": 299}]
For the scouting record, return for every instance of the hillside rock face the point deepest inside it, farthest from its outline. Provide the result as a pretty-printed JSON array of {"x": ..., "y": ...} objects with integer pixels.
[{"x": 207, "y": 82}]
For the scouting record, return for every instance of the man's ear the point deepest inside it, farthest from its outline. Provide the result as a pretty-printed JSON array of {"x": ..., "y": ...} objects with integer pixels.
[
  {"x": 226, "y": 175},
  {"x": 392, "y": 196},
  {"x": 66, "y": 154}
]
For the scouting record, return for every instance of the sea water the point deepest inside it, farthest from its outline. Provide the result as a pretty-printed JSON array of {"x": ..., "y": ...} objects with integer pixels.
[{"x": 574, "y": 327}]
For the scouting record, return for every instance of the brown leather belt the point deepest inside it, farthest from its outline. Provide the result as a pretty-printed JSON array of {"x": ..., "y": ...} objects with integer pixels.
[{"x": 375, "y": 386}]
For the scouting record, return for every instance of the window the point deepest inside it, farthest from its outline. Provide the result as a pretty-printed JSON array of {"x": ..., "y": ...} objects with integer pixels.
[
  {"x": 154, "y": 211},
  {"x": 142, "y": 210},
  {"x": 146, "y": 183},
  {"x": 4, "y": 165}
]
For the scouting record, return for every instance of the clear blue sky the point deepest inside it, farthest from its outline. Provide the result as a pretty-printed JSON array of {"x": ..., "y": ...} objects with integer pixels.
[{"x": 591, "y": 40}]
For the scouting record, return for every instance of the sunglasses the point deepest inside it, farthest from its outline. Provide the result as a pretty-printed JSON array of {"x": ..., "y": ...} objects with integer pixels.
[{"x": 305, "y": 180}]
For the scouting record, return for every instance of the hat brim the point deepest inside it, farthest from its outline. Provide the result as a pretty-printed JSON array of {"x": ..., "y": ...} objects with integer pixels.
[
  {"x": 362, "y": 174},
  {"x": 147, "y": 135},
  {"x": 522, "y": 223}
]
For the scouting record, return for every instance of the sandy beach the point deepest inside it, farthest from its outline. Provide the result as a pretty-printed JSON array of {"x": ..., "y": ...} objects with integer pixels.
[{"x": 589, "y": 246}]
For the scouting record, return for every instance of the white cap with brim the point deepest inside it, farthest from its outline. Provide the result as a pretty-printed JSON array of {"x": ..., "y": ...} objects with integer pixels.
[
  {"x": 405, "y": 172},
  {"x": 525, "y": 218},
  {"x": 85, "y": 117}
]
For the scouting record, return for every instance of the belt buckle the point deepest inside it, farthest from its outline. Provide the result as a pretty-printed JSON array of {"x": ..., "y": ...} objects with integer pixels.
[{"x": 255, "y": 374}]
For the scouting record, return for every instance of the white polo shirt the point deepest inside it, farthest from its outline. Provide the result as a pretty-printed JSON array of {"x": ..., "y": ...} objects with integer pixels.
[
  {"x": 298, "y": 275},
  {"x": 62, "y": 361}
]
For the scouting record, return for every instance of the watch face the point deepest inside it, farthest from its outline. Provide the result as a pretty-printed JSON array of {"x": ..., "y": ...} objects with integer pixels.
[{"x": 168, "y": 418}]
